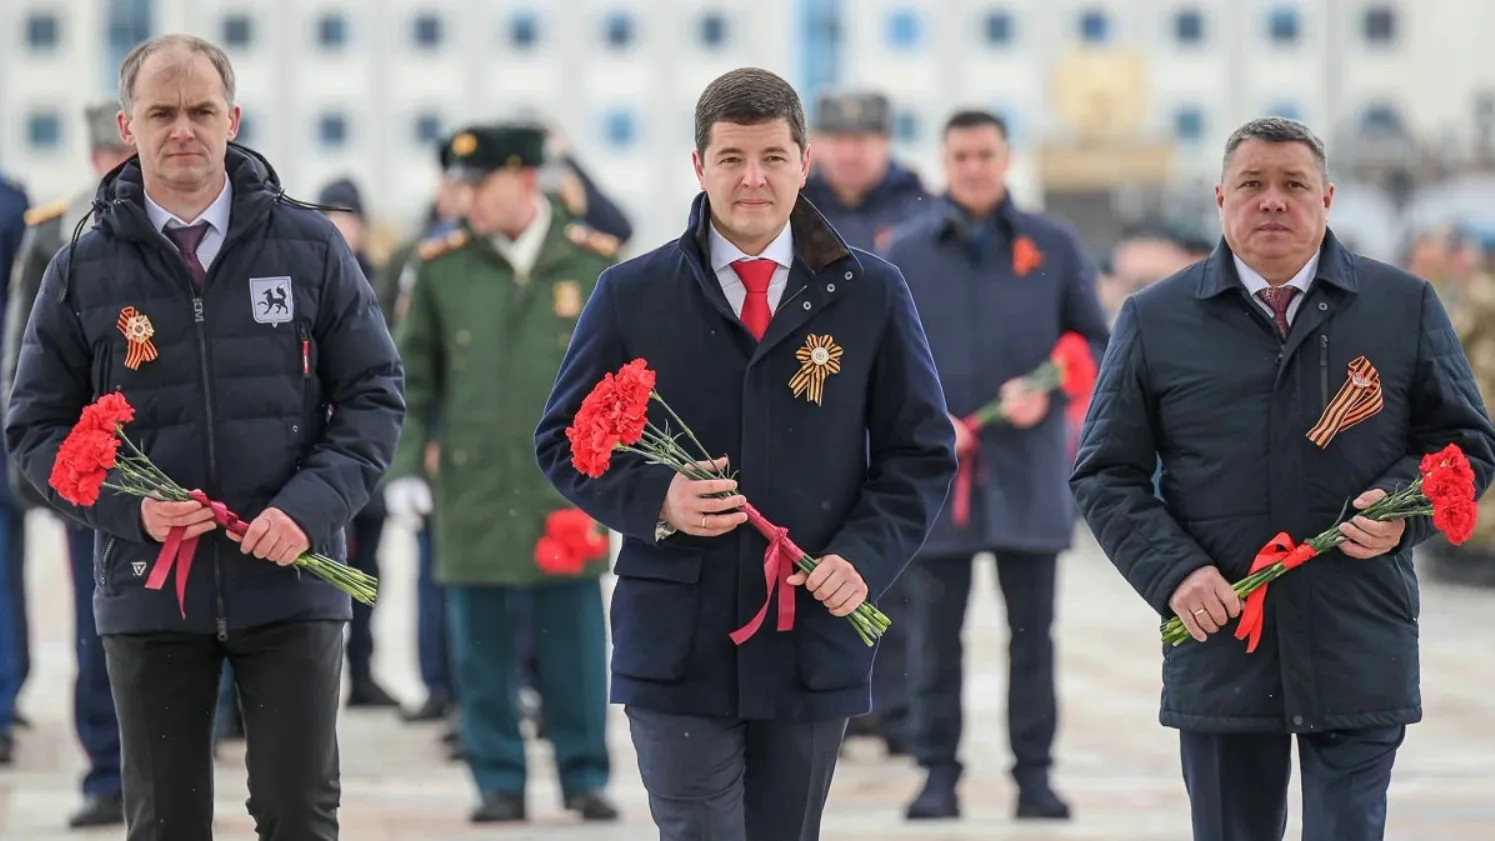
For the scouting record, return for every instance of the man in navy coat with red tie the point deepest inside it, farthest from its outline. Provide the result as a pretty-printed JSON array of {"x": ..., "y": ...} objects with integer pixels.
[{"x": 739, "y": 743}]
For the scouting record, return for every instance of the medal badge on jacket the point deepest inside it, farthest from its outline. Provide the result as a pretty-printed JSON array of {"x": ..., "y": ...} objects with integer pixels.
[
  {"x": 138, "y": 332},
  {"x": 272, "y": 299},
  {"x": 818, "y": 359},
  {"x": 1358, "y": 399},
  {"x": 567, "y": 298}
]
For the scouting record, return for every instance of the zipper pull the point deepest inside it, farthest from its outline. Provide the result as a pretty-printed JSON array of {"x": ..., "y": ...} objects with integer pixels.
[
  {"x": 305, "y": 358},
  {"x": 197, "y": 309},
  {"x": 222, "y": 629}
]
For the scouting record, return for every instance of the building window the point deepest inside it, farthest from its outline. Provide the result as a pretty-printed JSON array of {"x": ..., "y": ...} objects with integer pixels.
[
  {"x": 41, "y": 31},
  {"x": 1285, "y": 109},
  {"x": 619, "y": 30},
  {"x": 618, "y": 128},
  {"x": 1282, "y": 25},
  {"x": 1188, "y": 124},
  {"x": 332, "y": 130},
  {"x": 713, "y": 29},
  {"x": 427, "y": 31},
  {"x": 1188, "y": 26},
  {"x": 1095, "y": 27},
  {"x": 1381, "y": 118},
  {"x": 998, "y": 28},
  {"x": 238, "y": 31},
  {"x": 820, "y": 52},
  {"x": 906, "y": 127},
  {"x": 332, "y": 31},
  {"x": 130, "y": 22},
  {"x": 246, "y": 134},
  {"x": 427, "y": 129},
  {"x": 44, "y": 130},
  {"x": 524, "y": 30},
  {"x": 903, "y": 29},
  {"x": 1380, "y": 25}
]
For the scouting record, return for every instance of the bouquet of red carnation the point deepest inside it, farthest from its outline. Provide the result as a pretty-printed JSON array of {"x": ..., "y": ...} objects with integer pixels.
[
  {"x": 571, "y": 540},
  {"x": 1070, "y": 367},
  {"x": 614, "y": 417},
  {"x": 1444, "y": 488},
  {"x": 92, "y": 449}
]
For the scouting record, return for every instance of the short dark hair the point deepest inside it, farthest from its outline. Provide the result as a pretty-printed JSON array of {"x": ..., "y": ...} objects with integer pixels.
[
  {"x": 1276, "y": 130},
  {"x": 975, "y": 118},
  {"x": 749, "y": 96}
]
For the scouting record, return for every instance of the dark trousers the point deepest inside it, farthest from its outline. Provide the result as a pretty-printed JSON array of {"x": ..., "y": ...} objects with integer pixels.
[
  {"x": 363, "y": 555},
  {"x": 93, "y": 705},
  {"x": 571, "y": 636},
  {"x": 1238, "y": 783},
  {"x": 939, "y": 589},
  {"x": 528, "y": 652},
  {"x": 890, "y": 675},
  {"x": 431, "y": 622},
  {"x": 717, "y": 779},
  {"x": 15, "y": 628},
  {"x": 165, "y": 688}
]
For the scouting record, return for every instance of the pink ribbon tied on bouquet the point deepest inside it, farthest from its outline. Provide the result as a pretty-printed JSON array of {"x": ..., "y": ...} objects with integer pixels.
[
  {"x": 178, "y": 550},
  {"x": 778, "y": 565},
  {"x": 1279, "y": 549},
  {"x": 960, "y": 500}
]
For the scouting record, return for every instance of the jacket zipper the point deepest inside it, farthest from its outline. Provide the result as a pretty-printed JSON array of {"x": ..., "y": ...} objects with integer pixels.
[
  {"x": 201, "y": 325},
  {"x": 1323, "y": 371},
  {"x": 103, "y": 575},
  {"x": 308, "y": 411}
]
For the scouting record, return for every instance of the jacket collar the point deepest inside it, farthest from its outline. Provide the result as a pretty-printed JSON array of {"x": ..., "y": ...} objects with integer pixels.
[
  {"x": 1336, "y": 267},
  {"x": 956, "y": 221},
  {"x": 815, "y": 241}
]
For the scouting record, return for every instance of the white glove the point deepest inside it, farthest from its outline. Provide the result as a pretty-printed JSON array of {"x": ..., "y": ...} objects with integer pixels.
[{"x": 407, "y": 499}]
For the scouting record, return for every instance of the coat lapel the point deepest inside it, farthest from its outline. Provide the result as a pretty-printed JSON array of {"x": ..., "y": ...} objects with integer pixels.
[{"x": 804, "y": 297}]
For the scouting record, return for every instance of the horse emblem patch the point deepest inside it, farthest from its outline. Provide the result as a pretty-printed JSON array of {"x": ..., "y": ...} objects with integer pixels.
[{"x": 272, "y": 299}]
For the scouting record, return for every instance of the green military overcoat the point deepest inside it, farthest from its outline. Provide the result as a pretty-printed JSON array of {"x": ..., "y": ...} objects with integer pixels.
[{"x": 482, "y": 344}]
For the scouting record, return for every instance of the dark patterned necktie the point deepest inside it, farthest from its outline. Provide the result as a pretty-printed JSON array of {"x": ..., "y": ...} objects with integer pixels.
[
  {"x": 187, "y": 239},
  {"x": 1279, "y": 298}
]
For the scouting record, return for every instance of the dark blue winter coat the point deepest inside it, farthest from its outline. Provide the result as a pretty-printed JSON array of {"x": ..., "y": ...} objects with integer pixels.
[
  {"x": 1197, "y": 375},
  {"x": 13, "y": 205},
  {"x": 987, "y": 325},
  {"x": 895, "y": 199},
  {"x": 234, "y": 406},
  {"x": 861, "y": 476}
]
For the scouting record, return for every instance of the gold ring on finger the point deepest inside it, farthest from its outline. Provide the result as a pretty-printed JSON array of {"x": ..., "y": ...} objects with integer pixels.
[
  {"x": 1199, "y": 611},
  {"x": 703, "y": 520}
]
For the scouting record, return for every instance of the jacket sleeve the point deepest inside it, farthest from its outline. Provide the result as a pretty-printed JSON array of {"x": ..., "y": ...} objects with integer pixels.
[
  {"x": 629, "y": 496},
  {"x": 1112, "y": 478},
  {"x": 910, "y": 448},
  {"x": 1082, "y": 310},
  {"x": 601, "y": 212},
  {"x": 1446, "y": 408},
  {"x": 25, "y": 280},
  {"x": 53, "y": 382},
  {"x": 362, "y": 381},
  {"x": 419, "y": 338}
]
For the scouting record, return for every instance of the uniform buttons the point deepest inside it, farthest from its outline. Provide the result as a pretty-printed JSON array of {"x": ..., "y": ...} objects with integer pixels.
[
  {"x": 459, "y": 457},
  {"x": 464, "y": 337}
]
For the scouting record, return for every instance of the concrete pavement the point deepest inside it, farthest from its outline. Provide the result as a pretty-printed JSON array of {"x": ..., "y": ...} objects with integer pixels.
[{"x": 1117, "y": 766}]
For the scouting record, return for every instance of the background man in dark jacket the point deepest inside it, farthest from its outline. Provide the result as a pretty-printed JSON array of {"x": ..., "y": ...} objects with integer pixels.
[
  {"x": 15, "y": 643},
  {"x": 738, "y": 743},
  {"x": 238, "y": 401},
  {"x": 998, "y": 313},
  {"x": 50, "y": 228},
  {"x": 1222, "y": 371}
]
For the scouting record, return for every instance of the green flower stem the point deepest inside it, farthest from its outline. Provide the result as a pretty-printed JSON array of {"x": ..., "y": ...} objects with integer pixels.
[{"x": 1043, "y": 378}]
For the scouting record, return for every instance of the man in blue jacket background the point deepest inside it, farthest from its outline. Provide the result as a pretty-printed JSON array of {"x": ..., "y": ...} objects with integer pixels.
[{"x": 15, "y": 636}]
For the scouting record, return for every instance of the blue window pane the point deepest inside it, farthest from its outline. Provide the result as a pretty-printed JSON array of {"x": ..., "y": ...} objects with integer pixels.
[
  {"x": 1010, "y": 122},
  {"x": 44, "y": 130},
  {"x": 41, "y": 31},
  {"x": 906, "y": 127},
  {"x": 998, "y": 28},
  {"x": 1282, "y": 25},
  {"x": 713, "y": 29},
  {"x": 427, "y": 31},
  {"x": 333, "y": 129},
  {"x": 903, "y": 29},
  {"x": 427, "y": 129},
  {"x": 238, "y": 31},
  {"x": 618, "y": 128},
  {"x": 820, "y": 46},
  {"x": 524, "y": 30},
  {"x": 129, "y": 23},
  {"x": 1380, "y": 25},
  {"x": 1095, "y": 27},
  {"x": 619, "y": 30},
  {"x": 332, "y": 31},
  {"x": 1381, "y": 118},
  {"x": 1188, "y": 123},
  {"x": 1188, "y": 26},
  {"x": 1286, "y": 109}
]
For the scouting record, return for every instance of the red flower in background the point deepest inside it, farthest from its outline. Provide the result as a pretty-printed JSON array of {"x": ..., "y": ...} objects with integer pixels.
[
  {"x": 570, "y": 542},
  {"x": 613, "y": 414}
]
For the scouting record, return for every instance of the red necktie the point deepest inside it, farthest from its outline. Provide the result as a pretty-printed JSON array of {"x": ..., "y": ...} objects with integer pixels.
[
  {"x": 1279, "y": 298},
  {"x": 756, "y": 274}
]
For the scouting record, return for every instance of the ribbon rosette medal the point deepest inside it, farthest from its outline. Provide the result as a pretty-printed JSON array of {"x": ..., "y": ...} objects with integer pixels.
[
  {"x": 138, "y": 332},
  {"x": 818, "y": 359}
]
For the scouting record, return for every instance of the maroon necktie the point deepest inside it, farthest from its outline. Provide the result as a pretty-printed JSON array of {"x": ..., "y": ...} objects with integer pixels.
[
  {"x": 1279, "y": 298},
  {"x": 755, "y": 274},
  {"x": 187, "y": 239}
]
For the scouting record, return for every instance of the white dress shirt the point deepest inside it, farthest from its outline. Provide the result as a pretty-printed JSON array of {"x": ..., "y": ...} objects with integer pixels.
[
  {"x": 216, "y": 216},
  {"x": 524, "y": 250},
  {"x": 1255, "y": 283},
  {"x": 724, "y": 253}
]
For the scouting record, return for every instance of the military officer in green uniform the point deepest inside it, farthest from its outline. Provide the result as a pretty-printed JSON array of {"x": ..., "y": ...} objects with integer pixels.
[{"x": 488, "y": 319}]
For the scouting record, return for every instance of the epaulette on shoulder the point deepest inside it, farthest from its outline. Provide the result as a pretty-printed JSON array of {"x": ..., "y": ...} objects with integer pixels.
[
  {"x": 604, "y": 244},
  {"x": 434, "y": 247},
  {"x": 46, "y": 212}
]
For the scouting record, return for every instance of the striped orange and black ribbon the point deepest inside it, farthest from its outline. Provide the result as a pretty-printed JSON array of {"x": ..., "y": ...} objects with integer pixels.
[
  {"x": 138, "y": 332},
  {"x": 1359, "y": 398}
]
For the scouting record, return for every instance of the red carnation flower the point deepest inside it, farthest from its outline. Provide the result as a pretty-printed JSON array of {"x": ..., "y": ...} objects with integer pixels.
[
  {"x": 613, "y": 414},
  {"x": 571, "y": 540},
  {"x": 1456, "y": 520},
  {"x": 1077, "y": 369},
  {"x": 106, "y": 413},
  {"x": 555, "y": 558},
  {"x": 83, "y": 463}
]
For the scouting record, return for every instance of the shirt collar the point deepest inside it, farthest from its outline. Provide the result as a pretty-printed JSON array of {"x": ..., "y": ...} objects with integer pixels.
[
  {"x": 724, "y": 253},
  {"x": 523, "y": 250},
  {"x": 1254, "y": 282},
  {"x": 216, "y": 214}
]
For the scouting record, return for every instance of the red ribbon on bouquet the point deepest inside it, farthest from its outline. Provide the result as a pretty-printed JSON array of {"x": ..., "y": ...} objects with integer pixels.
[
  {"x": 960, "y": 502},
  {"x": 778, "y": 565},
  {"x": 178, "y": 551},
  {"x": 1279, "y": 549}
]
